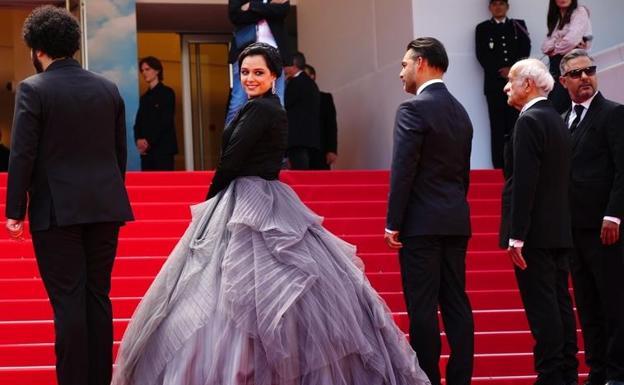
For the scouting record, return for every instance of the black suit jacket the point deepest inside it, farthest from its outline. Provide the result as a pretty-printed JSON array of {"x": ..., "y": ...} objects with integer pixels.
[
  {"x": 499, "y": 46},
  {"x": 535, "y": 204},
  {"x": 253, "y": 143},
  {"x": 430, "y": 166},
  {"x": 274, "y": 14},
  {"x": 155, "y": 120},
  {"x": 68, "y": 149},
  {"x": 597, "y": 182},
  {"x": 329, "y": 126},
  {"x": 302, "y": 102}
]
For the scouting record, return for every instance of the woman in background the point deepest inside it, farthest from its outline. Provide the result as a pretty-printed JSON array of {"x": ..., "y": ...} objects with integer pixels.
[{"x": 569, "y": 27}]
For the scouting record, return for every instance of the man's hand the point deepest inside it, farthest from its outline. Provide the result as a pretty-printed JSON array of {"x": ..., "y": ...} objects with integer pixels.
[
  {"x": 330, "y": 158},
  {"x": 15, "y": 228},
  {"x": 142, "y": 146},
  {"x": 245, "y": 7},
  {"x": 515, "y": 253},
  {"x": 610, "y": 232},
  {"x": 392, "y": 239}
]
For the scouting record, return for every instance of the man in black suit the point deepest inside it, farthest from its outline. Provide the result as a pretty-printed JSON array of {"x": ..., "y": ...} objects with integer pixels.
[
  {"x": 4, "y": 156},
  {"x": 597, "y": 205},
  {"x": 261, "y": 21},
  {"x": 428, "y": 215},
  {"x": 302, "y": 104},
  {"x": 328, "y": 153},
  {"x": 68, "y": 160},
  {"x": 500, "y": 42},
  {"x": 535, "y": 225},
  {"x": 154, "y": 126}
]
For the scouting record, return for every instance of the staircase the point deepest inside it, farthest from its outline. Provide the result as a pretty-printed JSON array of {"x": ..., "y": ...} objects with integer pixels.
[{"x": 353, "y": 204}]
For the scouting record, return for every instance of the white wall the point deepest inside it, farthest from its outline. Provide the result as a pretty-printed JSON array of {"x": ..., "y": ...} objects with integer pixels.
[{"x": 356, "y": 46}]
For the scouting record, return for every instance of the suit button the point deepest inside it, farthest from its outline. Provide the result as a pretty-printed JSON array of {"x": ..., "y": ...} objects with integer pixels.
[{"x": 504, "y": 51}]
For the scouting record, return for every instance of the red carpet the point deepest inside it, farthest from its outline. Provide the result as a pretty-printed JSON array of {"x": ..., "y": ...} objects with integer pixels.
[{"x": 353, "y": 204}]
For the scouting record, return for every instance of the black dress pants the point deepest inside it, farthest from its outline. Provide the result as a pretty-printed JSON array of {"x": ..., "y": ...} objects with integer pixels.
[
  {"x": 75, "y": 263},
  {"x": 502, "y": 120},
  {"x": 544, "y": 290},
  {"x": 318, "y": 160},
  {"x": 157, "y": 162},
  {"x": 598, "y": 277},
  {"x": 433, "y": 271},
  {"x": 301, "y": 158}
]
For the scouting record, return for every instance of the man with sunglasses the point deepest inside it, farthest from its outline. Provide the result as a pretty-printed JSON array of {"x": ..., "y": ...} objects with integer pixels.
[{"x": 597, "y": 208}]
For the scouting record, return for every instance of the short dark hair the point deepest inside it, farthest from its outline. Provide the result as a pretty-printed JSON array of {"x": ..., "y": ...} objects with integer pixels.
[
  {"x": 154, "y": 63},
  {"x": 309, "y": 69},
  {"x": 299, "y": 60},
  {"x": 432, "y": 50},
  {"x": 270, "y": 54},
  {"x": 53, "y": 31}
]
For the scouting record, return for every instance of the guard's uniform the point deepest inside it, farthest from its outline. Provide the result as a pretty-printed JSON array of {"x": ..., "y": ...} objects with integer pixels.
[{"x": 500, "y": 45}]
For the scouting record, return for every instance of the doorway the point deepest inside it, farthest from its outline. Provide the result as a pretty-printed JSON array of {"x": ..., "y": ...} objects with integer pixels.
[
  {"x": 206, "y": 87},
  {"x": 196, "y": 68}
]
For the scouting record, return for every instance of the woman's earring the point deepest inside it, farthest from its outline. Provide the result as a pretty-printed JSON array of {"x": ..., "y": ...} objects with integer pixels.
[{"x": 273, "y": 88}]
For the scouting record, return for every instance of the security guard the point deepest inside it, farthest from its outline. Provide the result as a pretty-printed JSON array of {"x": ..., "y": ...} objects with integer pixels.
[{"x": 500, "y": 42}]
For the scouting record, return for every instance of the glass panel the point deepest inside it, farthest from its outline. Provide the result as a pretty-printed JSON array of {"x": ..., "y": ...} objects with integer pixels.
[{"x": 209, "y": 74}]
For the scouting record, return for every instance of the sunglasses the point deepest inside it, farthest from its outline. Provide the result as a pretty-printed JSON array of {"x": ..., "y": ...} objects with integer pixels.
[{"x": 577, "y": 73}]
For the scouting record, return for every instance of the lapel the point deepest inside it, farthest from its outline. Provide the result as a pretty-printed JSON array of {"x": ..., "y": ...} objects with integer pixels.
[{"x": 594, "y": 111}]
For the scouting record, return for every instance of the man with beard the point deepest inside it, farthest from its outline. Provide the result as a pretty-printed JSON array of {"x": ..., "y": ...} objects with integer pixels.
[
  {"x": 597, "y": 206},
  {"x": 428, "y": 218},
  {"x": 73, "y": 189}
]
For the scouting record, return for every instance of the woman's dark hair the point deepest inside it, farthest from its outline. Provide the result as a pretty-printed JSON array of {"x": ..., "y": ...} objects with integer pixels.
[
  {"x": 554, "y": 15},
  {"x": 432, "y": 50},
  {"x": 270, "y": 54},
  {"x": 53, "y": 31},
  {"x": 153, "y": 63}
]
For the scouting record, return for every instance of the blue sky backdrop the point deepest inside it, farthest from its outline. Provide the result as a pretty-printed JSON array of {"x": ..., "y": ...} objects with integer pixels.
[{"x": 112, "y": 52}]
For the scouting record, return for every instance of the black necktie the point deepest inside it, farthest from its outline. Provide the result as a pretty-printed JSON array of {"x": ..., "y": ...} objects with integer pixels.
[{"x": 578, "y": 109}]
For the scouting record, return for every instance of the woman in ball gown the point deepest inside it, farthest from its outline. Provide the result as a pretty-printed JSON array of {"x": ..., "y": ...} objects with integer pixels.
[{"x": 257, "y": 292}]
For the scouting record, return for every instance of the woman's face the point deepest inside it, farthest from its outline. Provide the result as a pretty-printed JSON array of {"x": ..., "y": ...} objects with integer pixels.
[
  {"x": 563, "y": 4},
  {"x": 255, "y": 76}
]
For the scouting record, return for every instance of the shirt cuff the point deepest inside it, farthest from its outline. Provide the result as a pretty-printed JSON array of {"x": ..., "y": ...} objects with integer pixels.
[
  {"x": 613, "y": 219},
  {"x": 388, "y": 231},
  {"x": 516, "y": 243}
]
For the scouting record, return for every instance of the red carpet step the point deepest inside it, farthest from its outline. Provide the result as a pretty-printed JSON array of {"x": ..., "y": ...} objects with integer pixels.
[{"x": 353, "y": 204}]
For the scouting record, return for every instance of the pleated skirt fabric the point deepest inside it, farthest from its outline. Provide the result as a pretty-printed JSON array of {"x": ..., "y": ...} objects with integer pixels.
[{"x": 257, "y": 292}]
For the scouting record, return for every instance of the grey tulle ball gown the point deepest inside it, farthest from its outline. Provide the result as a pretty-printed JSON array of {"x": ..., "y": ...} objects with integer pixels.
[{"x": 257, "y": 292}]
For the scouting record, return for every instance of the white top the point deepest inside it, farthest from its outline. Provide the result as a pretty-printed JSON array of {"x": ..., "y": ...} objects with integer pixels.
[{"x": 263, "y": 32}]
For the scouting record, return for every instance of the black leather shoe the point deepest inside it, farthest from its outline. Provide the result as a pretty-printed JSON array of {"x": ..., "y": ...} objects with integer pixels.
[{"x": 613, "y": 382}]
